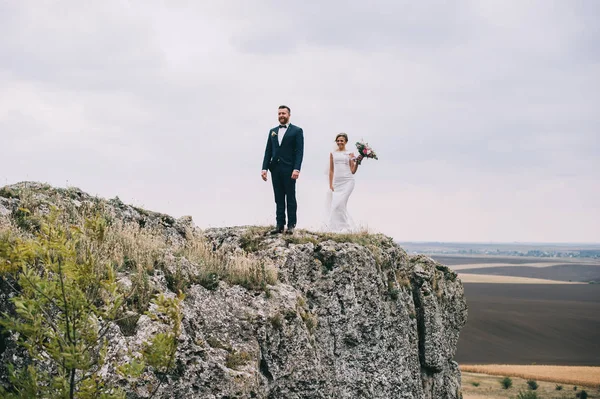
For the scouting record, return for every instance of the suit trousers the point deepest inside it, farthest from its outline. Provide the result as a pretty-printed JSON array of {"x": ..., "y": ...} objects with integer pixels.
[{"x": 284, "y": 188}]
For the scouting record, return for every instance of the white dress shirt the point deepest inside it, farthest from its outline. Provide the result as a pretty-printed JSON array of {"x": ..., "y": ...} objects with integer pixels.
[{"x": 282, "y": 131}]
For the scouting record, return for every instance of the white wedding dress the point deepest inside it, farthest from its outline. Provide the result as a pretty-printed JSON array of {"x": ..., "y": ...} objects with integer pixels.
[{"x": 338, "y": 219}]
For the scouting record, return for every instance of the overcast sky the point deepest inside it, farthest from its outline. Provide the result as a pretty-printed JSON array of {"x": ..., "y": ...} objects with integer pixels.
[{"x": 484, "y": 113}]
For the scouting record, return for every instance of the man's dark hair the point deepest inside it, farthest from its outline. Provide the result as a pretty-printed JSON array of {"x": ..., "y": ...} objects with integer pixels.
[{"x": 285, "y": 107}]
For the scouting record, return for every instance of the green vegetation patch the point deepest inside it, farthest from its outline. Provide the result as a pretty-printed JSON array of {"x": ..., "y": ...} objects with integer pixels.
[
  {"x": 65, "y": 299},
  {"x": 506, "y": 383},
  {"x": 235, "y": 359}
]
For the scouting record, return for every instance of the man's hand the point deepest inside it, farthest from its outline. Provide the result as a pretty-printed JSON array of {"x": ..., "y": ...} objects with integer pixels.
[
  {"x": 263, "y": 174},
  {"x": 295, "y": 174}
]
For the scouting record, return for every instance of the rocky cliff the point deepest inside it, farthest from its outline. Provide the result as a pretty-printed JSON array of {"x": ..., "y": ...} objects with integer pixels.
[{"x": 341, "y": 316}]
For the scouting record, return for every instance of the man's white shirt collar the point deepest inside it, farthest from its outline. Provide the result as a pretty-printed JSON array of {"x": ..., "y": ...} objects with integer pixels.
[{"x": 282, "y": 132}]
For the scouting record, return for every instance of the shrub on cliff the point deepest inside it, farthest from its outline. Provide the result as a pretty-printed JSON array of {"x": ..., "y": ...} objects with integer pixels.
[{"x": 65, "y": 302}]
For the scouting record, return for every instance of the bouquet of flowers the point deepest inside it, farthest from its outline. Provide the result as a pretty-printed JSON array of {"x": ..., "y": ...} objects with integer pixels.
[{"x": 364, "y": 151}]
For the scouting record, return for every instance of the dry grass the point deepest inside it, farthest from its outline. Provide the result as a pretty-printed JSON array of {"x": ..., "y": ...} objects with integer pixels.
[
  {"x": 579, "y": 375},
  {"x": 6, "y": 226},
  {"x": 250, "y": 272},
  {"x": 484, "y": 278},
  {"x": 485, "y": 386},
  {"x": 129, "y": 246},
  {"x": 361, "y": 237},
  {"x": 244, "y": 269},
  {"x": 135, "y": 248}
]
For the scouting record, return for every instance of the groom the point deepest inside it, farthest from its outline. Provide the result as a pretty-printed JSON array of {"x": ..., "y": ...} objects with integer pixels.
[{"x": 283, "y": 157}]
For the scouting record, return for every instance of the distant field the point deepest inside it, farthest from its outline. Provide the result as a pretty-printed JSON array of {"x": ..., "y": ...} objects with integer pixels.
[
  {"x": 456, "y": 248},
  {"x": 485, "y": 386},
  {"x": 487, "y": 278},
  {"x": 564, "y": 272},
  {"x": 498, "y": 264},
  {"x": 586, "y": 376},
  {"x": 452, "y": 260},
  {"x": 561, "y": 269},
  {"x": 555, "y": 324}
]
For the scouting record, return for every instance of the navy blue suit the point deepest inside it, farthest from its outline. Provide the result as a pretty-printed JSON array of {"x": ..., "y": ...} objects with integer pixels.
[{"x": 282, "y": 160}]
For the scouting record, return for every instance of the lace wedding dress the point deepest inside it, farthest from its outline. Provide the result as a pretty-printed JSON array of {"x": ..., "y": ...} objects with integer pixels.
[{"x": 338, "y": 219}]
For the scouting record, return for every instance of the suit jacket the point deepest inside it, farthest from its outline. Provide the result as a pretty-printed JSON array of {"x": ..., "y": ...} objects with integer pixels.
[{"x": 289, "y": 154}]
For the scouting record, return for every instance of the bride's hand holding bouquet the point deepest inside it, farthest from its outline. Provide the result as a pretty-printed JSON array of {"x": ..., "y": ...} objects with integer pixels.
[{"x": 364, "y": 151}]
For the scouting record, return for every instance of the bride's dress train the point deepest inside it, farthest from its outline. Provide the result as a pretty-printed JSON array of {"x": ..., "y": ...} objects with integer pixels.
[{"x": 338, "y": 219}]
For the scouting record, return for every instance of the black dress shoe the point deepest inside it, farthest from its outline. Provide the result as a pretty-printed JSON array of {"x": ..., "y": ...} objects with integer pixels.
[
  {"x": 290, "y": 230},
  {"x": 278, "y": 230}
]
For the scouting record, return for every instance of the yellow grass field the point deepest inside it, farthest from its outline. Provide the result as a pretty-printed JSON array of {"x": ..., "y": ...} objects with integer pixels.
[
  {"x": 577, "y": 375},
  {"x": 485, "y": 386}
]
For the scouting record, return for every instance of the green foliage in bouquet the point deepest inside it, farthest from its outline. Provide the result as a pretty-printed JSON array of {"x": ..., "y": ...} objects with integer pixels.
[
  {"x": 364, "y": 151},
  {"x": 65, "y": 303}
]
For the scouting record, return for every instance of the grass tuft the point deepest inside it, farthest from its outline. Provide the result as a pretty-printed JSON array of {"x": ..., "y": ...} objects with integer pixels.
[
  {"x": 276, "y": 321},
  {"x": 235, "y": 360},
  {"x": 527, "y": 395}
]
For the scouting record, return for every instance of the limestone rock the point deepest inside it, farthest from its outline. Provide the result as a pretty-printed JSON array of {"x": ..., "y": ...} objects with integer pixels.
[{"x": 347, "y": 318}]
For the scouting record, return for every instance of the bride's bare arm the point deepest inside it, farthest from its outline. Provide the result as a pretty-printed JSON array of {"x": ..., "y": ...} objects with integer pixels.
[
  {"x": 331, "y": 171},
  {"x": 353, "y": 164}
]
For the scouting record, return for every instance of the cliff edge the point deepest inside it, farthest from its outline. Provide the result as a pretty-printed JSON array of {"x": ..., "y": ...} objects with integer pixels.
[{"x": 305, "y": 316}]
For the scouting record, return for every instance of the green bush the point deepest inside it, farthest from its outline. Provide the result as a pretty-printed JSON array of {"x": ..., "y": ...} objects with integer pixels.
[
  {"x": 65, "y": 302},
  {"x": 582, "y": 395},
  {"x": 393, "y": 293},
  {"x": 558, "y": 387},
  {"x": 506, "y": 382},
  {"x": 532, "y": 384},
  {"x": 8, "y": 193},
  {"x": 475, "y": 384},
  {"x": 527, "y": 395}
]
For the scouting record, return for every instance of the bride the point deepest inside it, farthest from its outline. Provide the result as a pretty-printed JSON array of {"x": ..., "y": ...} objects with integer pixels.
[{"x": 342, "y": 167}]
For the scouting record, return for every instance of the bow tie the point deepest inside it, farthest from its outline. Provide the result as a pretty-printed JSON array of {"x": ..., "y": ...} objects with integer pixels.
[{"x": 282, "y": 126}]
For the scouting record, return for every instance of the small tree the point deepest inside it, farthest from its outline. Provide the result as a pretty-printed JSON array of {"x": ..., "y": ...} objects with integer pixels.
[
  {"x": 65, "y": 303},
  {"x": 532, "y": 384},
  {"x": 506, "y": 382}
]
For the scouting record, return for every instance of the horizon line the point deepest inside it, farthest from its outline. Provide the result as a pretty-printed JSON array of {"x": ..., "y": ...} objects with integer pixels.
[{"x": 500, "y": 242}]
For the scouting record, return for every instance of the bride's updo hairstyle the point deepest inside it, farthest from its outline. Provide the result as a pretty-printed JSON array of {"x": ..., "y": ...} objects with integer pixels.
[{"x": 344, "y": 135}]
